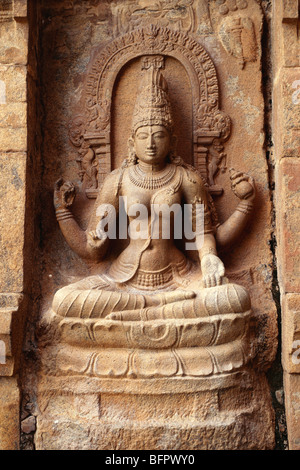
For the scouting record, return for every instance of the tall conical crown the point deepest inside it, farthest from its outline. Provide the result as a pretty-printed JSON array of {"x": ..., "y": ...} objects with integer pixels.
[{"x": 152, "y": 105}]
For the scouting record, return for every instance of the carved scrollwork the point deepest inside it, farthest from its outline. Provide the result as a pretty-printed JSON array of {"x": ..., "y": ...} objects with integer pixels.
[
  {"x": 129, "y": 15},
  {"x": 76, "y": 130},
  {"x": 99, "y": 114},
  {"x": 147, "y": 41},
  {"x": 209, "y": 117}
]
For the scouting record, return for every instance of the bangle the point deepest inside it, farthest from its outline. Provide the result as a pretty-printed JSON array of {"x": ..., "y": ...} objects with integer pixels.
[
  {"x": 63, "y": 214},
  {"x": 245, "y": 207},
  {"x": 208, "y": 251}
]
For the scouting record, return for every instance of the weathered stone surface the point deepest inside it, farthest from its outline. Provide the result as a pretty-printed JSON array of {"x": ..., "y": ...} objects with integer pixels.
[
  {"x": 13, "y": 115},
  {"x": 292, "y": 403},
  {"x": 13, "y": 139},
  {"x": 231, "y": 32},
  {"x": 11, "y": 323},
  {"x": 6, "y": 367},
  {"x": 290, "y": 18},
  {"x": 14, "y": 78},
  {"x": 286, "y": 124},
  {"x": 12, "y": 196},
  {"x": 287, "y": 151},
  {"x": 290, "y": 10},
  {"x": 13, "y": 47},
  {"x": 20, "y": 9},
  {"x": 178, "y": 414},
  {"x": 28, "y": 424},
  {"x": 288, "y": 204},
  {"x": 291, "y": 333},
  {"x": 13, "y": 156},
  {"x": 9, "y": 414}
]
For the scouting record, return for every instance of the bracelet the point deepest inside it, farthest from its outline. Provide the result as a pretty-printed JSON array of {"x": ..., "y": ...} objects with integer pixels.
[
  {"x": 209, "y": 251},
  {"x": 245, "y": 207},
  {"x": 63, "y": 214}
]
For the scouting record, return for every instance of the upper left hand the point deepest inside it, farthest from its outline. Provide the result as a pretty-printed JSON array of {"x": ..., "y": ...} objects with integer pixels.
[{"x": 64, "y": 194}]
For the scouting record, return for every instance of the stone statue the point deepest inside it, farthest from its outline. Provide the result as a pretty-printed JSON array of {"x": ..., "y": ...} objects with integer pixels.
[
  {"x": 155, "y": 347},
  {"x": 152, "y": 279}
]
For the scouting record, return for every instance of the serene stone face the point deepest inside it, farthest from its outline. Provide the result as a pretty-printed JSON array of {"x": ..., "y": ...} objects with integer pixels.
[{"x": 152, "y": 144}]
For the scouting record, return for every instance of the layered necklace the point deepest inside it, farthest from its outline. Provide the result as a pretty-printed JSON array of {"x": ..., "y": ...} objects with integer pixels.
[{"x": 155, "y": 180}]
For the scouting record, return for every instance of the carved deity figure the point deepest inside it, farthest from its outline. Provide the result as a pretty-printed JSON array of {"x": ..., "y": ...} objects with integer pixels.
[{"x": 152, "y": 278}]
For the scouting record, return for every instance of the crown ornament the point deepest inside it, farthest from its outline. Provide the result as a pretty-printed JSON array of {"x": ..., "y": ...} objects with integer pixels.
[{"x": 152, "y": 106}]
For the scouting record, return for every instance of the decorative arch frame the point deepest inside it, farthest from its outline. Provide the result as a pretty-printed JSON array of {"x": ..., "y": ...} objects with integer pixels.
[{"x": 209, "y": 122}]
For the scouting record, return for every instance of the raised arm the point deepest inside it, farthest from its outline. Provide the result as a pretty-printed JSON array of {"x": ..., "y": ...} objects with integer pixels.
[
  {"x": 230, "y": 231},
  {"x": 87, "y": 244}
]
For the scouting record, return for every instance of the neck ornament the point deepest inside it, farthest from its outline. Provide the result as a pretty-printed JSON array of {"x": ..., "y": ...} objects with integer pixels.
[{"x": 151, "y": 180}]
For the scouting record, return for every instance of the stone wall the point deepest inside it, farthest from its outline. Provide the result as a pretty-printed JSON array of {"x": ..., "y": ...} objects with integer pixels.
[
  {"x": 20, "y": 213},
  {"x": 13, "y": 155},
  {"x": 44, "y": 55},
  {"x": 286, "y": 118}
]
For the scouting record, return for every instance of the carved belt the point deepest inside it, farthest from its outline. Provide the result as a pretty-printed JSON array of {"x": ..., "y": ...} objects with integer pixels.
[{"x": 151, "y": 280}]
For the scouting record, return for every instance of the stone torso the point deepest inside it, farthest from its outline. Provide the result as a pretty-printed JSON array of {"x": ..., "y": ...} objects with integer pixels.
[{"x": 151, "y": 242}]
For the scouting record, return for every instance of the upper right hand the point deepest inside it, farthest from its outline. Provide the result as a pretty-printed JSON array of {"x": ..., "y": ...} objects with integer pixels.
[
  {"x": 242, "y": 185},
  {"x": 64, "y": 194}
]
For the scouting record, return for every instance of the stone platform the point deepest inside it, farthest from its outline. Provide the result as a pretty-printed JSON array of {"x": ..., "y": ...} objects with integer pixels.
[{"x": 224, "y": 412}]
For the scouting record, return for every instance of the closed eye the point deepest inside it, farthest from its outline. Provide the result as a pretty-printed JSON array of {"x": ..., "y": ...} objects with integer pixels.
[{"x": 142, "y": 136}]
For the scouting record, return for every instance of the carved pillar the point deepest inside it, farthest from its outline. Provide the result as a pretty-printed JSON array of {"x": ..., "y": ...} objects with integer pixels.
[
  {"x": 287, "y": 153},
  {"x": 202, "y": 143},
  {"x": 101, "y": 146}
]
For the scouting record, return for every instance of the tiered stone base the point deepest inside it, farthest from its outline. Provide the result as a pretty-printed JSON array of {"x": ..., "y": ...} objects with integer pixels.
[
  {"x": 224, "y": 411},
  {"x": 197, "y": 347}
]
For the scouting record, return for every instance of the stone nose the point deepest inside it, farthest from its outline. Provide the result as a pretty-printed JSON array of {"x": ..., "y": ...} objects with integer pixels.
[{"x": 150, "y": 142}]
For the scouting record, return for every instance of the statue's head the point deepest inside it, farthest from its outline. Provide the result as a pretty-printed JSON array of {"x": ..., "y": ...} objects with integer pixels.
[
  {"x": 151, "y": 144},
  {"x": 152, "y": 127}
]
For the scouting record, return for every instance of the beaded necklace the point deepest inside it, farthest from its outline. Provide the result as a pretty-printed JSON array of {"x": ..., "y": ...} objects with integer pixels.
[{"x": 154, "y": 181}]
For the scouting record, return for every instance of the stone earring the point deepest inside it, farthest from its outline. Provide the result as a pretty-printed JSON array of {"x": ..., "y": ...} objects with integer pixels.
[{"x": 132, "y": 158}]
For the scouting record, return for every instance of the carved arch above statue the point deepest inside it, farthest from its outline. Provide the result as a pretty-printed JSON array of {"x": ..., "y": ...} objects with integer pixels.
[{"x": 210, "y": 124}]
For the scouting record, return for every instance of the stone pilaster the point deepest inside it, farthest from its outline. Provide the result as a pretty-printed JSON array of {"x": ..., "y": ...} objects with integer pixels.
[
  {"x": 13, "y": 164},
  {"x": 286, "y": 128}
]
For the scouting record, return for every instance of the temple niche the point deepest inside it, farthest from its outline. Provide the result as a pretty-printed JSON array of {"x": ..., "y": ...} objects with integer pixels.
[{"x": 142, "y": 345}]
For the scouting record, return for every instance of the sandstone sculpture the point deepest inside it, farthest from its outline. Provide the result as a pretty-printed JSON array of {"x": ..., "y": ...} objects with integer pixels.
[
  {"x": 157, "y": 319},
  {"x": 152, "y": 279}
]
